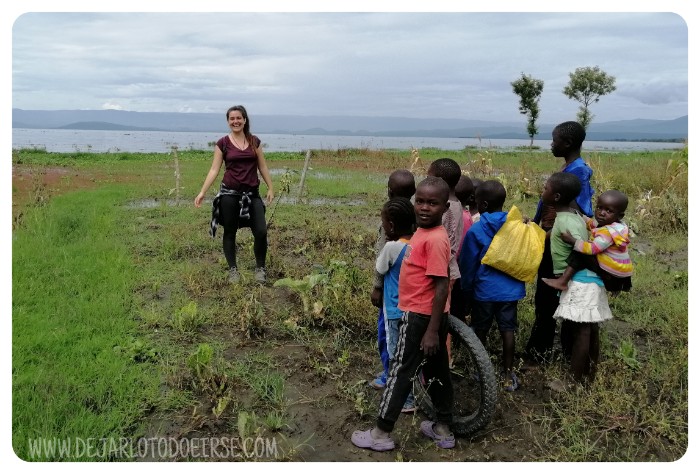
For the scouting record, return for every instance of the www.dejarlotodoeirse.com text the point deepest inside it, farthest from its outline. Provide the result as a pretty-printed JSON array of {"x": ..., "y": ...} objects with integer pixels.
[{"x": 157, "y": 448}]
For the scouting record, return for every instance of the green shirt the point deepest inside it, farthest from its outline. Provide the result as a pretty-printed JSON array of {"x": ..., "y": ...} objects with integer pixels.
[{"x": 574, "y": 223}]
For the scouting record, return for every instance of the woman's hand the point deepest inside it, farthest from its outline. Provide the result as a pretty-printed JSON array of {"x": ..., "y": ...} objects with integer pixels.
[
  {"x": 198, "y": 200},
  {"x": 270, "y": 196}
]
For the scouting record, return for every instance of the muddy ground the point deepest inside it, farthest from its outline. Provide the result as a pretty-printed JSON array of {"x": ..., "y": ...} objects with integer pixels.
[{"x": 320, "y": 416}]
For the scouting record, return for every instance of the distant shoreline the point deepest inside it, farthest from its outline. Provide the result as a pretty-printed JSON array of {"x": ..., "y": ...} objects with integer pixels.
[
  {"x": 635, "y": 130},
  {"x": 112, "y": 141},
  {"x": 127, "y": 128}
]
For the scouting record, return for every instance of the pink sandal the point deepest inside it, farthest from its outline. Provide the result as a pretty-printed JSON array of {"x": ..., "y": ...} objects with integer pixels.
[
  {"x": 363, "y": 439},
  {"x": 444, "y": 442}
]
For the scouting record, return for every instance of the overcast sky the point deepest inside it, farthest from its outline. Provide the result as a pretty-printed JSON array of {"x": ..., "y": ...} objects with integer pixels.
[{"x": 440, "y": 65}]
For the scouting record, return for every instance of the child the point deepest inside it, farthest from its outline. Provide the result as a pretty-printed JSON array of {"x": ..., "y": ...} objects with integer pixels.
[
  {"x": 608, "y": 243},
  {"x": 401, "y": 183},
  {"x": 495, "y": 294},
  {"x": 423, "y": 296},
  {"x": 449, "y": 170},
  {"x": 567, "y": 140},
  {"x": 399, "y": 222},
  {"x": 473, "y": 210},
  {"x": 459, "y": 305},
  {"x": 584, "y": 304},
  {"x": 465, "y": 193}
]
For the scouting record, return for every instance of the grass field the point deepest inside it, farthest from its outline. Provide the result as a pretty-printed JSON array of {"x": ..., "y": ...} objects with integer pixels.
[{"x": 125, "y": 329}]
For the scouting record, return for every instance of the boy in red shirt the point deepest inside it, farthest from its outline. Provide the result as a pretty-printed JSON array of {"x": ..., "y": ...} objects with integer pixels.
[{"x": 424, "y": 298}]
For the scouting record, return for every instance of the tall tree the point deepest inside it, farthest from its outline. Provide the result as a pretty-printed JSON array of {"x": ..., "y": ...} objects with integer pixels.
[
  {"x": 529, "y": 90},
  {"x": 586, "y": 85}
]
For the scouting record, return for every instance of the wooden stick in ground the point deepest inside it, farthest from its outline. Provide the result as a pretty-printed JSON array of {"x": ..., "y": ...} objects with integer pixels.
[
  {"x": 177, "y": 176},
  {"x": 303, "y": 173}
]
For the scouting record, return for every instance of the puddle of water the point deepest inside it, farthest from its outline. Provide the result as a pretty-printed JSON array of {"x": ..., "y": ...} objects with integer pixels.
[
  {"x": 323, "y": 201},
  {"x": 151, "y": 203},
  {"x": 279, "y": 171}
]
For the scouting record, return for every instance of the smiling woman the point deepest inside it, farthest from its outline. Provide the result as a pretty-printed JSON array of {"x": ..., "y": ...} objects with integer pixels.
[{"x": 238, "y": 202}]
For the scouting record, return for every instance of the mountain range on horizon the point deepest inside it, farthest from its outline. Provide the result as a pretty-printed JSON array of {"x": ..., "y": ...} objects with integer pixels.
[{"x": 627, "y": 130}]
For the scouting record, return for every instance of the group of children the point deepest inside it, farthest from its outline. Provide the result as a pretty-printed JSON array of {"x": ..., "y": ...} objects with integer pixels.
[{"x": 429, "y": 266}]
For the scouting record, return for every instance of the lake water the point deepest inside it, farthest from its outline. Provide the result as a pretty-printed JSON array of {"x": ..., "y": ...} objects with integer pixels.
[{"x": 101, "y": 141}]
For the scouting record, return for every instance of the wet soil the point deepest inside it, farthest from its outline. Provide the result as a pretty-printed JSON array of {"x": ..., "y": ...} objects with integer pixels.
[{"x": 322, "y": 409}]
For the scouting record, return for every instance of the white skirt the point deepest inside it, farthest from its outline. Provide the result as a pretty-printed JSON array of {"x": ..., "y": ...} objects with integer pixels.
[{"x": 583, "y": 303}]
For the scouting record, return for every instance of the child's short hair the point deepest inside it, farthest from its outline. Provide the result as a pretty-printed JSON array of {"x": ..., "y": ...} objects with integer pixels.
[
  {"x": 493, "y": 192},
  {"x": 438, "y": 183},
  {"x": 464, "y": 189},
  {"x": 568, "y": 185},
  {"x": 402, "y": 183},
  {"x": 400, "y": 211},
  {"x": 619, "y": 197},
  {"x": 447, "y": 169},
  {"x": 574, "y": 131}
]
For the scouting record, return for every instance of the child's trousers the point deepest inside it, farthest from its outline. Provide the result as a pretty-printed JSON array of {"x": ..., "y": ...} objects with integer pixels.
[
  {"x": 383, "y": 343},
  {"x": 405, "y": 365}
]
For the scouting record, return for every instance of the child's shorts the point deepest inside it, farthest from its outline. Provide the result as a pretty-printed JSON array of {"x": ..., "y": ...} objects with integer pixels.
[
  {"x": 583, "y": 303},
  {"x": 504, "y": 312}
]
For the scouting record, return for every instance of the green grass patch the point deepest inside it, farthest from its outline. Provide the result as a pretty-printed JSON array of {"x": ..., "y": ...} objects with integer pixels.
[
  {"x": 111, "y": 298},
  {"x": 77, "y": 371}
]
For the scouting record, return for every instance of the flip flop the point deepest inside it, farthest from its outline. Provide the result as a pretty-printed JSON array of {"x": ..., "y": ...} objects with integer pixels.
[
  {"x": 363, "y": 439},
  {"x": 444, "y": 442}
]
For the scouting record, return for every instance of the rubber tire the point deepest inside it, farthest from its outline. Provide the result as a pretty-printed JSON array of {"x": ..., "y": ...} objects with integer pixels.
[{"x": 479, "y": 419}]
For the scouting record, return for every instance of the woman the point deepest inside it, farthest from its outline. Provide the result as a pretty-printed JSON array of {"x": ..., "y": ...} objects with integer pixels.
[{"x": 238, "y": 203}]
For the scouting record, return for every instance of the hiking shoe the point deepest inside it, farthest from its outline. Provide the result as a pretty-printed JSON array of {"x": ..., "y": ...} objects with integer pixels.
[
  {"x": 444, "y": 442},
  {"x": 378, "y": 383},
  {"x": 408, "y": 407},
  {"x": 233, "y": 275},
  {"x": 511, "y": 383},
  {"x": 260, "y": 275}
]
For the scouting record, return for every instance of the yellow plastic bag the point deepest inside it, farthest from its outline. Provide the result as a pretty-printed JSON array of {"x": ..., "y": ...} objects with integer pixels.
[{"x": 517, "y": 248}]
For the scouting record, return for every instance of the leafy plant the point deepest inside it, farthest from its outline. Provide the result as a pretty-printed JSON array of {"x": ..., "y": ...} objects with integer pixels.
[
  {"x": 138, "y": 350},
  {"x": 628, "y": 353},
  {"x": 188, "y": 319},
  {"x": 200, "y": 362},
  {"x": 220, "y": 406},
  {"x": 304, "y": 288}
]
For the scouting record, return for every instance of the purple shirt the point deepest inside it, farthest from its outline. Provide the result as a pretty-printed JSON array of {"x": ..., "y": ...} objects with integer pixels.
[{"x": 241, "y": 165}]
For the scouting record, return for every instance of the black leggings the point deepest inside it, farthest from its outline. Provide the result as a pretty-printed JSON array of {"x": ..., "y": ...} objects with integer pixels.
[{"x": 230, "y": 219}]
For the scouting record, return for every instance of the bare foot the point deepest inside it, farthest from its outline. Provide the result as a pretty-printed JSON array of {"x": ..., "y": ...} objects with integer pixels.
[{"x": 556, "y": 283}]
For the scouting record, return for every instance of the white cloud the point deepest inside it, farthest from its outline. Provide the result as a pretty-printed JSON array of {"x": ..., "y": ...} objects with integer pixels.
[
  {"x": 111, "y": 106},
  {"x": 451, "y": 65}
]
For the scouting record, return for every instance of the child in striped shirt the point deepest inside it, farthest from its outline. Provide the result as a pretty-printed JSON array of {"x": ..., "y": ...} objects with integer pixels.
[{"x": 608, "y": 243}]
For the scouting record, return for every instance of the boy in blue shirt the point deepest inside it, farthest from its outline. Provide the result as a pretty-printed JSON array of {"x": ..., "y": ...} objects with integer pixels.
[
  {"x": 567, "y": 141},
  {"x": 495, "y": 294}
]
